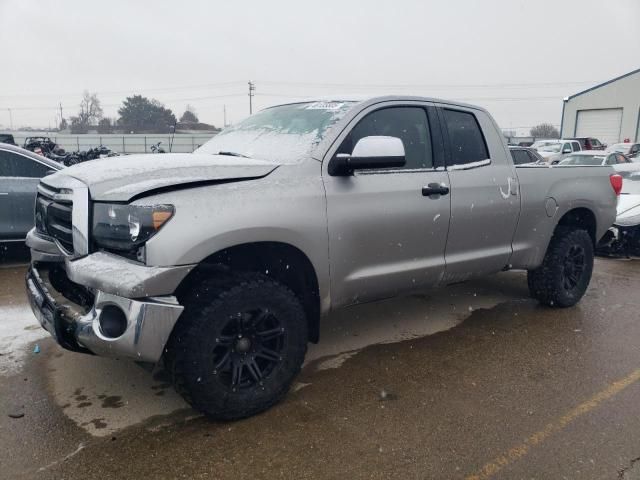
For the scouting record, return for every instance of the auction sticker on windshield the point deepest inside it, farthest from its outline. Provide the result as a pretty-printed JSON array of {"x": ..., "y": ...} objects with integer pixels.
[{"x": 325, "y": 106}]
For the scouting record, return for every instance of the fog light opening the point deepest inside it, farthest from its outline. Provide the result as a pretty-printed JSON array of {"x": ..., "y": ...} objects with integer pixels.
[{"x": 113, "y": 321}]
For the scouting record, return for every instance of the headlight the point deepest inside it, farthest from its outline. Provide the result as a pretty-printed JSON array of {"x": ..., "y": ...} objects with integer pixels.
[{"x": 124, "y": 227}]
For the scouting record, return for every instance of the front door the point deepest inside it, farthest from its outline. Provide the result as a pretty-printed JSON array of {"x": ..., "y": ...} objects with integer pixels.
[{"x": 385, "y": 236}]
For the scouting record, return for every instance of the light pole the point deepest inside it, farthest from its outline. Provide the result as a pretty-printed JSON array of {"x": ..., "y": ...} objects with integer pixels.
[
  {"x": 10, "y": 119},
  {"x": 252, "y": 88}
]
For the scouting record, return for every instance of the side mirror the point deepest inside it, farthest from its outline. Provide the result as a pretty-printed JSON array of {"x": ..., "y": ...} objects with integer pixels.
[
  {"x": 369, "y": 152},
  {"x": 566, "y": 150}
]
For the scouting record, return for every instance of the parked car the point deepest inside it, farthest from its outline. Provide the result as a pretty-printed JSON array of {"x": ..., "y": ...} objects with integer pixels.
[
  {"x": 7, "y": 138},
  {"x": 589, "y": 143},
  {"x": 524, "y": 155},
  {"x": 595, "y": 157},
  {"x": 623, "y": 165},
  {"x": 623, "y": 239},
  {"x": 541, "y": 143},
  {"x": 20, "y": 173},
  {"x": 222, "y": 262},
  {"x": 558, "y": 150},
  {"x": 631, "y": 150}
]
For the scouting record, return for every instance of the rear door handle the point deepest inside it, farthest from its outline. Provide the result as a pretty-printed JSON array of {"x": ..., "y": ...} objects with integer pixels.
[{"x": 434, "y": 189}]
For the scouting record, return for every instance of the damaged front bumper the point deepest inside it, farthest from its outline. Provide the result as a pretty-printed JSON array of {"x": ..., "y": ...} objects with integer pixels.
[
  {"x": 79, "y": 301},
  {"x": 620, "y": 241}
]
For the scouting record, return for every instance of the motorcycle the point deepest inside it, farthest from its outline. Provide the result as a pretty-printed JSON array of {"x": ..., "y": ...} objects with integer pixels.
[
  {"x": 74, "y": 158},
  {"x": 156, "y": 148},
  {"x": 42, "y": 146}
]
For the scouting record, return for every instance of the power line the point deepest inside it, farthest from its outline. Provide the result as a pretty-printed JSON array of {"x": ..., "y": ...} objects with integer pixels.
[
  {"x": 426, "y": 85},
  {"x": 131, "y": 90},
  {"x": 464, "y": 99},
  {"x": 169, "y": 89},
  {"x": 190, "y": 99}
]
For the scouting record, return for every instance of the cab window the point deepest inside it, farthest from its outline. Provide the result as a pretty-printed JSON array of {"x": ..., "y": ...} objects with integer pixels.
[{"x": 465, "y": 137}]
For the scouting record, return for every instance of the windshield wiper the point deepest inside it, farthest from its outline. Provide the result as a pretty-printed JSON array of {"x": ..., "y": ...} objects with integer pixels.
[{"x": 233, "y": 154}]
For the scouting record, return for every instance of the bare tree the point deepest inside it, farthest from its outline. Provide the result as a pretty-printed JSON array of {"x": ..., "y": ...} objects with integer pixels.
[
  {"x": 90, "y": 112},
  {"x": 545, "y": 130}
]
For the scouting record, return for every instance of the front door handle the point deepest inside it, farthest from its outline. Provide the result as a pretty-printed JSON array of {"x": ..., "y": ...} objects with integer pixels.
[{"x": 435, "y": 189}]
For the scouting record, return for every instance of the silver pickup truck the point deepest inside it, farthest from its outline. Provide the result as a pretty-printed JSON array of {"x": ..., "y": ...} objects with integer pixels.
[{"x": 222, "y": 262}]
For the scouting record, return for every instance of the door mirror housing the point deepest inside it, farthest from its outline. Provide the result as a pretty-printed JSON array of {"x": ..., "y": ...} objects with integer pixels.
[
  {"x": 566, "y": 150},
  {"x": 369, "y": 152}
]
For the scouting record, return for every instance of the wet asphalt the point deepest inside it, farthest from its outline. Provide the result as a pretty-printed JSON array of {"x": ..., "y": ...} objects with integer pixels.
[{"x": 503, "y": 389}]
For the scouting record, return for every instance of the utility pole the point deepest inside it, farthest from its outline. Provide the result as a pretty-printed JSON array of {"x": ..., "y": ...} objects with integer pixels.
[
  {"x": 224, "y": 112},
  {"x": 252, "y": 88},
  {"x": 61, "y": 117},
  {"x": 10, "y": 119}
]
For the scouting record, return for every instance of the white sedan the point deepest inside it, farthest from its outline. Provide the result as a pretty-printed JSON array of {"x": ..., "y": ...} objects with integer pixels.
[
  {"x": 631, "y": 150},
  {"x": 621, "y": 164}
]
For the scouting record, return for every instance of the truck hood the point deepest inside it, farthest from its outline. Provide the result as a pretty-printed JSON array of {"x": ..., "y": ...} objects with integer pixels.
[{"x": 125, "y": 177}]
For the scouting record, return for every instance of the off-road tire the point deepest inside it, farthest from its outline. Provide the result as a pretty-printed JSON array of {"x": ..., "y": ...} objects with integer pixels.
[
  {"x": 190, "y": 357},
  {"x": 556, "y": 283}
]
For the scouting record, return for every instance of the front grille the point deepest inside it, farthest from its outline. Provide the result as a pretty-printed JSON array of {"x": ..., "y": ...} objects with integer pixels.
[{"x": 54, "y": 216}]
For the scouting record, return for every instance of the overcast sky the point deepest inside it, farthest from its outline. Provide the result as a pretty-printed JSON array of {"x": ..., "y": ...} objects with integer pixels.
[{"x": 517, "y": 58}]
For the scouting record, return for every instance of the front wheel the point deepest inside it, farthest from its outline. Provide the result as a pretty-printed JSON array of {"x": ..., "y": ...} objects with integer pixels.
[
  {"x": 237, "y": 348},
  {"x": 565, "y": 273}
]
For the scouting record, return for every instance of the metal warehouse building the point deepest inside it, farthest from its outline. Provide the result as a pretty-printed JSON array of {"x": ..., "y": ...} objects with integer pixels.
[{"x": 609, "y": 112}]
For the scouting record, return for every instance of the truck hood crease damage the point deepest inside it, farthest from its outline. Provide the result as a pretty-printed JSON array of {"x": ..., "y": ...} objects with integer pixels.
[{"x": 124, "y": 178}]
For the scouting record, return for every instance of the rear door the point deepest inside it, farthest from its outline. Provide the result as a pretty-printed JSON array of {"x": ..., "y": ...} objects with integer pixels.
[
  {"x": 485, "y": 202},
  {"x": 386, "y": 236}
]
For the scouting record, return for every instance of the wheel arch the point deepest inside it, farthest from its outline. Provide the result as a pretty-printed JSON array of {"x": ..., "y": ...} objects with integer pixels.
[
  {"x": 581, "y": 217},
  {"x": 281, "y": 261}
]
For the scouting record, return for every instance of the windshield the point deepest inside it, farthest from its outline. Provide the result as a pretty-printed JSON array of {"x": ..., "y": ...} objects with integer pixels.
[
  {"x": 555, "y": 147},
  {"x": 284, "y": 134},
  {"x": 583, "y": 160}
]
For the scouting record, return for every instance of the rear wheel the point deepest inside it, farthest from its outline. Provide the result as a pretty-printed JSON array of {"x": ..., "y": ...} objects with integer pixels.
[
  {"x": 237, "y": 348},
  {"x": 565, "y": 273}
]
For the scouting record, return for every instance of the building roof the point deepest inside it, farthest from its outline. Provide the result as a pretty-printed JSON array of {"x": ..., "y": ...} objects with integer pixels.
[{"x": 604, "y": 83}]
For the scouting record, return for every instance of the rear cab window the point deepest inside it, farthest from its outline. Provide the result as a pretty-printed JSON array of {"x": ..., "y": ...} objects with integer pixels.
[{"x": 467, "y": 143}]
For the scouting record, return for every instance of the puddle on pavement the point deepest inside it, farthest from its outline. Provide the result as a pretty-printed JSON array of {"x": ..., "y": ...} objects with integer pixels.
[{"x": 107, "y": 395}]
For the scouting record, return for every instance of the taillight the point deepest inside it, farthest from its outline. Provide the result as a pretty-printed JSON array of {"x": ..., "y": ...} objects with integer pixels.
[{"x": 616, "y": 183}]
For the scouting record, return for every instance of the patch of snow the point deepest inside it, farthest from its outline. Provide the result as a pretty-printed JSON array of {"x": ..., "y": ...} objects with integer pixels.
[
  {"x": 18, "y": 328},
  {"x": 467, "y": 166}
]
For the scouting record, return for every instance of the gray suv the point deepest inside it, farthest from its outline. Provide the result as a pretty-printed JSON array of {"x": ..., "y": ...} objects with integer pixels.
[{"x": 221, "y": 263}]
